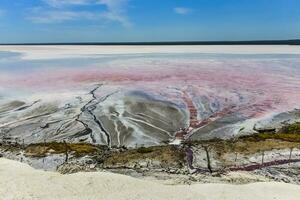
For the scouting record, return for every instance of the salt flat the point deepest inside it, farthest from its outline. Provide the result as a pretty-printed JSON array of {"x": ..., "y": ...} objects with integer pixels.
[
  {"x": 126, "y": 96},
  {"x": 143, "y": 95},
  {"x": 69, "y": 51}
]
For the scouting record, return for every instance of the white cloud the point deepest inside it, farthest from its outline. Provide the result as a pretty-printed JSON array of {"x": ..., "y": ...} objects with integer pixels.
[
  {"x": 116, "y": 11},
  {"x": 58, "y": 16},
  {"x": 182, "y": 10},
  {"x": 58, "y": 11},
  {"x": 61, "y": 3}
]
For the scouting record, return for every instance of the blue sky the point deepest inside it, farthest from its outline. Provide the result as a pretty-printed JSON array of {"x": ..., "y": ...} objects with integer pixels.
[{"x": 147, "y": 20}]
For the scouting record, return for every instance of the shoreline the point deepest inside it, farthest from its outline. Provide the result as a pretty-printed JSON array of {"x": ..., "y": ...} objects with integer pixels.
[{"x": 262, "y": 157}]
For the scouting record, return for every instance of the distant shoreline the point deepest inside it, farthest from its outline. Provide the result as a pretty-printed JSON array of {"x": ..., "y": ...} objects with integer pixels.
[
  {"x": 163, "y": 43},
  {"x": 38, "y": 52}
]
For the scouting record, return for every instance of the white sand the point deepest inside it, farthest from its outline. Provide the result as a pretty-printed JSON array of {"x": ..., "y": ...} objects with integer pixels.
[
  {"x": 73, "y": 51},
  {"x": 19, "y": 181}
]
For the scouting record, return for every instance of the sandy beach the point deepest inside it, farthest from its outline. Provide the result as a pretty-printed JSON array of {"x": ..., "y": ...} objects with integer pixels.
[{"x": 19, "y": 181}]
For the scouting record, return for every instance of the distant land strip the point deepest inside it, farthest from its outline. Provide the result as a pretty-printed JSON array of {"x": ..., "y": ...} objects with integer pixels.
[{"x": 254, "y": 42}]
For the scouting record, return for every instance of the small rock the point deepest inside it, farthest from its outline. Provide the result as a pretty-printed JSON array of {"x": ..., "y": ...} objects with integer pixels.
[
  {"x": 92, "y": 166},
  {"x": 143, "y": 164}
]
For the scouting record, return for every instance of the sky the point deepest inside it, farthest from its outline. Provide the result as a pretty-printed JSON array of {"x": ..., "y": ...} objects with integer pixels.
[{"x": 24, "y": 21}]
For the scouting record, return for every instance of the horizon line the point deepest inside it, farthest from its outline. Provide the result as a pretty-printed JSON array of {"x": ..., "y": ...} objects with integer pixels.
[{"x": 225, "y": 42}]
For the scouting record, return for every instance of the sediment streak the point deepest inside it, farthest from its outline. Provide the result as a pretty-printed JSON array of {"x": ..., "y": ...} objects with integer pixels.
[{"x": 88, "y": 108}]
